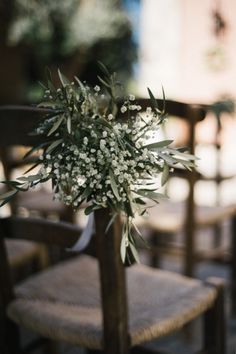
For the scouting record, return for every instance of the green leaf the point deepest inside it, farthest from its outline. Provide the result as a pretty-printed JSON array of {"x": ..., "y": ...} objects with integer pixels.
[
  {"x": 10, "y": 183},
  {"x": 104, "y": 122},
  {"x": 103, "y": 68},
  {"x": 49, "y": 80},
  {"x": 139, "y": 201},
  {"x": 154, "y": 102},
  {"x": 32, "y": 167},
  {"x": 54, "y": 145},
  {"x": 114, "y": 185},
  {"x": 136, "y": 229},
  {"x": 187, "y": 164},
  {"x": 68, "y": 122},
  {"x": 123, "y": 248},
  {"x": 42, "y": 85},
  {"x": 49, "y": 104},
  {"x": 134, "y": 252},
  {"x": 171, "y": 161},
  {"x": 31, "y": 178},
  {"x": 8, "y": 199},
  {"x": 35, "y": 148},
  {"x": 182, "y": 154},
  {"x": 56, "y": 125},
  {"x": 81, "y": 85},
  {"x": 158, "y": 145},
  {"x": 164, "y": 101},
  {"x": 110, "y": 222},
  {"x": 165, "y": 174},
  {"x": 63, "y": 79},
  {"x": 104, "y": 82},
  {"x": 86, "y": 193},
  {"x": 7, "y": 195},
  {"x": 150, "y": 194},
  {"x": 91, "y": 208}
]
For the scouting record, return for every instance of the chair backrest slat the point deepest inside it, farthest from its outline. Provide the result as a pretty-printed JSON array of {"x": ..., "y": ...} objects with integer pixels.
[
  {"x": 17, "y": 122},
  {"x": 40, "y": 230},
  {"x": 173, "y": 108}
]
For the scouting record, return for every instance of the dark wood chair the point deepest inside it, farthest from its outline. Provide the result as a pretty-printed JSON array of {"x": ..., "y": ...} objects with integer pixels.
[
  {"x": 102, "y": 305},
  {"x": 186, "y": 217},
  {"x": 17, "y": 123}
]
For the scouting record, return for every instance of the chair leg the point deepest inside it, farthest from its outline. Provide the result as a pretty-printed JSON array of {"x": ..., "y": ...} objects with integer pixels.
[
  {"x": 51, "y": 347},
  {"x": 9, "y": 338},
  {"x": 155, "y": 255},
  {"x": 217, "y": 230},
  {"x": 214, "y": 322},
  {"x": 233, "y": 266}
]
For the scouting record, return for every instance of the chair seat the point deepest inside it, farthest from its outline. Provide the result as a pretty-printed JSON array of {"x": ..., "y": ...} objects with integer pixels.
[
  {"x": 169, "y": 216},
  {"x": 63, "y": 302},
  {"x": 20, "y": 252}
]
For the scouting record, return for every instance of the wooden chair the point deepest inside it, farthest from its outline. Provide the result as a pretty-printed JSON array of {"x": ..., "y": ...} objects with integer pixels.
[
  {"x": 17, "y": 123},
  {"x": 170, "y": 217},
  {"x": 218, "y": 115},
  {"x": 101, "y": 305}
]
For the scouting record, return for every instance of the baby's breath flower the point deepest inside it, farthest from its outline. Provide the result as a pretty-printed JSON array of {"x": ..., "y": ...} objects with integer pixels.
[
  {"x": 131, "y": 97},
  {"x": 97, "y": 88},
  {"x": 103, "y": 156}
]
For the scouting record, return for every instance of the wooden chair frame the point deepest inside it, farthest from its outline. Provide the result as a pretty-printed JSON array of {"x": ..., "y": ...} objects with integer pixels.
[
  {"x": 113, "y": 290},
  {"x": 19, "y": 122},
  {"x": 192, "y": 114}
]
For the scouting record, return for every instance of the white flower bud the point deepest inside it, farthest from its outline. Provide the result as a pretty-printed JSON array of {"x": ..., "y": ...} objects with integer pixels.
[{"x": 131, "y": 97}]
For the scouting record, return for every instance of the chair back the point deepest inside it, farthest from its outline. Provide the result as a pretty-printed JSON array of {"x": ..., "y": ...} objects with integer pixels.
[
  {"x": 18, "y": 126},
  {"x": 190, "y": 114},
  {"x": 17, "y": 122}
]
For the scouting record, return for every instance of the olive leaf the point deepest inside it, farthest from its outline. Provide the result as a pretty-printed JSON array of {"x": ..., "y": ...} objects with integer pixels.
[
  {"x": 56, "y": 125},
  {"x": 114, "y": 185}
]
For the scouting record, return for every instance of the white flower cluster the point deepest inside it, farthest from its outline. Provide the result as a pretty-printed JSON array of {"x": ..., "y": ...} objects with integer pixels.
[
  {"x": 96, "y": 151},
  {"x": 102, "y": 162}
]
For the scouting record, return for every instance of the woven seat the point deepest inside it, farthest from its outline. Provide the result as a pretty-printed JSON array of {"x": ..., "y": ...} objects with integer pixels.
[
  {"x": 21, "y": 252},
  {"x": 169, "y": 217},
  {"x": 100, "y": 304},
  {"x": 63, "y": 303}
]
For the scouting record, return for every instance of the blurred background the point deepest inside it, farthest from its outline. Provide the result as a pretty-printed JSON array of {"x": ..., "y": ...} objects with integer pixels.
[{"x": 186, "y": 46}]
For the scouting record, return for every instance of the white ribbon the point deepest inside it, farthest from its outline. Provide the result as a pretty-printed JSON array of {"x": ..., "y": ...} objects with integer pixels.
[{"x": 86, "y": 235}]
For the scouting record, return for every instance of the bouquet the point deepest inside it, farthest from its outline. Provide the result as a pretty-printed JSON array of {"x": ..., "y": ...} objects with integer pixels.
[{"x": 95, "y": 149}]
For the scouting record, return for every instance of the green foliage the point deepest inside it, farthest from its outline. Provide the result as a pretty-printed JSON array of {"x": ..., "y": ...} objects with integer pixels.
[{"x": 92, "y": 155}]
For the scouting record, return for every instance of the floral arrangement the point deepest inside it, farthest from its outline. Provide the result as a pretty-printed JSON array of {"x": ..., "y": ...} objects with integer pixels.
[{"x": 97, "y": 151}]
